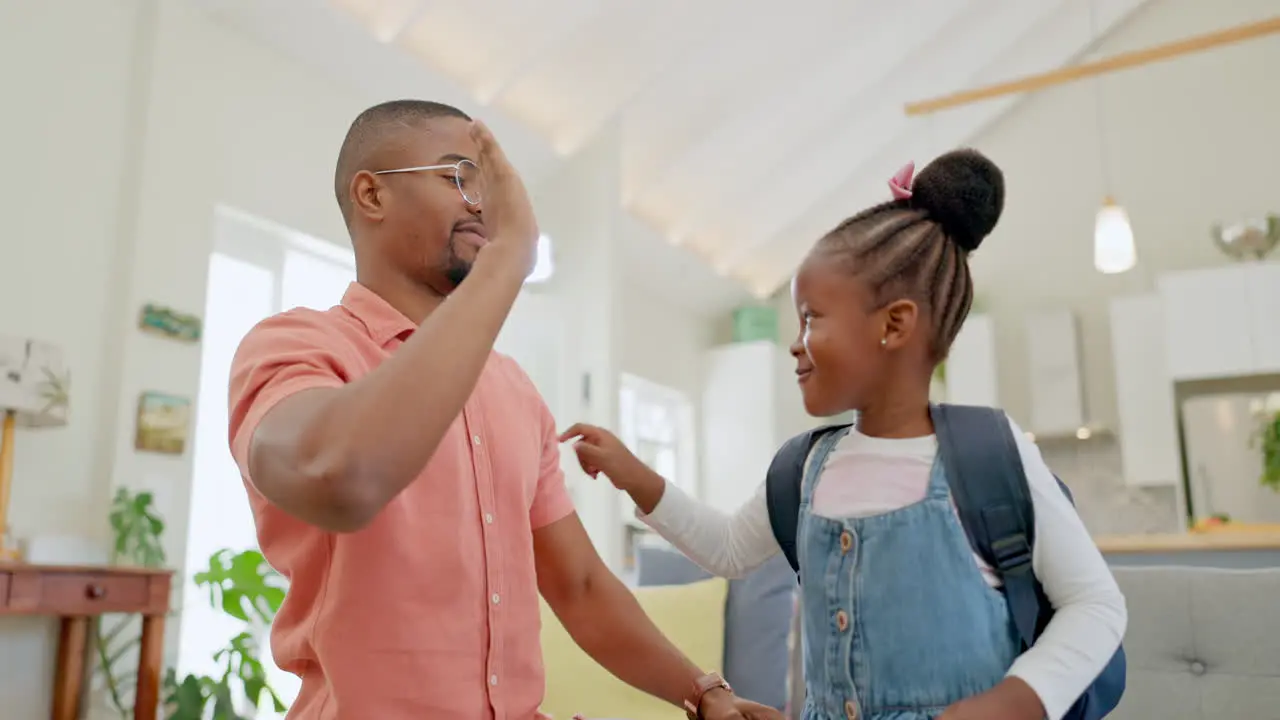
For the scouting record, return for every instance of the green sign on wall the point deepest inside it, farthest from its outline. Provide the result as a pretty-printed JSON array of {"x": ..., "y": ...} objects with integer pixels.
[{"x": 755, "y": 322}]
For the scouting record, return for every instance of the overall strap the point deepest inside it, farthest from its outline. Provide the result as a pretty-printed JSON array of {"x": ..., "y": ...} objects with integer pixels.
[
  {"x": 813, "y": 466},
  {"x": 783, "y": 486},
  {"x": 989, "y": 486}
]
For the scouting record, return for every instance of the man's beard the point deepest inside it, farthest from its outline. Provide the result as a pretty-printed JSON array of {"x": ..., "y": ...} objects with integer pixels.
[
  {"x": 455, "y": 268},
  {"x": 455, "y": 274}
]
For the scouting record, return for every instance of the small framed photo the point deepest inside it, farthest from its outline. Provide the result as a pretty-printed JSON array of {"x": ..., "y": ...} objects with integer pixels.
[
  {"x": 169, "y": 323},
  {"x": 163, "y": 423}
]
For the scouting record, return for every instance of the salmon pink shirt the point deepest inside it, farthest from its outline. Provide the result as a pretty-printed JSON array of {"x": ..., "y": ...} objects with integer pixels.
[{"x": 432, "y": 610}]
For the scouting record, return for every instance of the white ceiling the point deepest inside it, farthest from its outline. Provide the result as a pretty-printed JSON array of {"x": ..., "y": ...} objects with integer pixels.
[{"x": 748, "y": 128}]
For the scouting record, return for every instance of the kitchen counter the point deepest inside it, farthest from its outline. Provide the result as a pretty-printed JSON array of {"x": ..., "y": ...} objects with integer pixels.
[
  {"x": 1232, "y": 547},
  {"x": 1259, "y": 539}
]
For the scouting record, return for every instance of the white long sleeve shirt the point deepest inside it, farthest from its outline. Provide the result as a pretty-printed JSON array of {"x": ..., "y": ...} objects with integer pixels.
[{"x": 866, "y": 476}]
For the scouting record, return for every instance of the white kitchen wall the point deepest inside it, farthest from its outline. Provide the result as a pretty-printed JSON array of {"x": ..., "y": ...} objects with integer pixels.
[{"x": 1189, "y": 142}]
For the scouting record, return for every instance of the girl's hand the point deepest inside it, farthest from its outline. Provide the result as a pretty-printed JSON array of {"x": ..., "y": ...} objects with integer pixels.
[
  {"x": 1012, "y": 699},
  {"x": 600, "y": 451}
]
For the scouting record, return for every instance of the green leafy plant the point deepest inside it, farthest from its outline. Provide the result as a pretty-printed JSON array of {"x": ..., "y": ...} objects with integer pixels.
[
  {"x": 240, "y": 584},
  {"x": 137, "y": 529},
  {"x": 1268, "y": 438},
  {"x": 245, "y": 587}
]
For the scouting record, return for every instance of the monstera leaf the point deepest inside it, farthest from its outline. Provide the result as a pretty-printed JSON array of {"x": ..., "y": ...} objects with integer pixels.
[{"x": 243, "y": 585}]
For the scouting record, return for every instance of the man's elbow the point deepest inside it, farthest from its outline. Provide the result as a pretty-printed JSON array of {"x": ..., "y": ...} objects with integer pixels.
[
  {"x": 321, "y": 489},
  {"x": 343, "y": 504}
]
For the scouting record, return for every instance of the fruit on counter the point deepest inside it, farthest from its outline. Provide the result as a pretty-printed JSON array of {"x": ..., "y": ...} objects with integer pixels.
[{"x": 1212, "y": 522}]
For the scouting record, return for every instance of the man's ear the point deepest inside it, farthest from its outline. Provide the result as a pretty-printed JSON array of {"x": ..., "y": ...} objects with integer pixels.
[
  {"x": 367, "y": 195},
  {"x": 900, "y": 319}
]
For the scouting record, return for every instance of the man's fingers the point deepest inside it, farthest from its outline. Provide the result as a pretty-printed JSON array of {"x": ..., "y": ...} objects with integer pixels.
[{"x": 494, "y": 159}]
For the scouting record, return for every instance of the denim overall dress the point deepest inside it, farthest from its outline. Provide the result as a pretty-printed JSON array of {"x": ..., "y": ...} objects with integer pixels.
[{"x": 898, "y": 620}]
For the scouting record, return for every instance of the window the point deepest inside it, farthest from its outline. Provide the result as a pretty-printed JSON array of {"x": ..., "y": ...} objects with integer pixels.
[
  {"x": 656, "y": 423},
  {"x": 256, "y": 270},
  {"x": 543, "y": 264}
]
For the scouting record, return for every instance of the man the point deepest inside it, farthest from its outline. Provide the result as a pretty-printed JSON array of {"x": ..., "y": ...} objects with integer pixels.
[{"x": 405, "y": 477}]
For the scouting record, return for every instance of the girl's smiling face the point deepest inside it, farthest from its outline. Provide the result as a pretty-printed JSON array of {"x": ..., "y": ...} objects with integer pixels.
[{"x": 839, "y": 354}]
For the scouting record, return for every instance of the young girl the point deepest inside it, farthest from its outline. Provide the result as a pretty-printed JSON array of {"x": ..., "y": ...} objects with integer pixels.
[{"x": 904, "y": 621}]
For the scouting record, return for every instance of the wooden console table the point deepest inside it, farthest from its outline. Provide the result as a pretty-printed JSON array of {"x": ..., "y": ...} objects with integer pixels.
[{"x": 77, "y": 595}]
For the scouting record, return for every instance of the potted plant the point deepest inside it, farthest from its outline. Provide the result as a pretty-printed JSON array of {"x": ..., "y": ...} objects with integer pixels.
[
  {"x": 240, "y": 584},
  {"x": 1268, "y": 440}
]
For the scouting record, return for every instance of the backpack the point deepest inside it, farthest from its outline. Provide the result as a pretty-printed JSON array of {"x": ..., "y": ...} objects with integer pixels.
[{"x": 989, "y": 488}]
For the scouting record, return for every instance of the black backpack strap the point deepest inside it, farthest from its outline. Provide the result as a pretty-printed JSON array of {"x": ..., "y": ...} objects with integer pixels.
[
  {"x": 989, "y": 487},
  {"x": 782, "y": 488}
]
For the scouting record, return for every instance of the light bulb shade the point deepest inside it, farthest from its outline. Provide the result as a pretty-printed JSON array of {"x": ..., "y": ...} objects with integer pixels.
[{"x": 1113, "y": 247}]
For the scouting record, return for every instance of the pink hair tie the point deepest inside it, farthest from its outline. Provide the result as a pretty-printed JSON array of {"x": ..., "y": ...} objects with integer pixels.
[{"x": 900, "y": 183}]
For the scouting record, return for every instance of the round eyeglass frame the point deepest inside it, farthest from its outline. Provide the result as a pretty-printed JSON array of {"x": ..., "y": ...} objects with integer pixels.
[{"x": 457, "y": 176}]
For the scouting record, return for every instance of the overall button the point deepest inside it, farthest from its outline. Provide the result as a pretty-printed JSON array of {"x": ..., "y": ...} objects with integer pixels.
[
  {"x": 850, "y": 710},
  {"x": 846, "y": 541},
  {"x": 1197, "y": 668},
  {"x": 842, "y": 620}
]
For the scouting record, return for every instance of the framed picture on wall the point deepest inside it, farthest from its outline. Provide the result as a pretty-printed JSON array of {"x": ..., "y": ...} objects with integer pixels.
[
  {"x": 163, "y": 423},
  {"x": 169, "y": 323}
]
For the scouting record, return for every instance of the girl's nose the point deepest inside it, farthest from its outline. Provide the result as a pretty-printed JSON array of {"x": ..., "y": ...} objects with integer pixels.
[{"x": 797, "y": 347}]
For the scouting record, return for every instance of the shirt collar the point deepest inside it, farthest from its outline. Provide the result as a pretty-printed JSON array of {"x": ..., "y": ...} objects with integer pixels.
[{"x": 381, "y": 320}]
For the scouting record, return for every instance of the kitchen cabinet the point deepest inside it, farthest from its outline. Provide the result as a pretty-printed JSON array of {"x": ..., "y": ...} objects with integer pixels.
[
  {"x": 971, "y": 364},
  {"x": 1053, "y": 355},
  {"x": 744, "y": 401},
  {"x": 1264, "y": 302},
  {"x": 1144, "y": 393},
  {"x": 1218, "y": 322}
]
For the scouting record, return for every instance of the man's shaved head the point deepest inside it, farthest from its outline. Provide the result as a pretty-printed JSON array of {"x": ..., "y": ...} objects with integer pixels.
[{"x": 372, "y": 130}]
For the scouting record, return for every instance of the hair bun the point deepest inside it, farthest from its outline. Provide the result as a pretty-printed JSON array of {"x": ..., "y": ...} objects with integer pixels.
[{"x": 963, "y": 191}]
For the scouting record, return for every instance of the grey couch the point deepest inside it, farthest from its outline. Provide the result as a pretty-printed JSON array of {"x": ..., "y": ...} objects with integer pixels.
[
  {"x": 1202, "y": 643},
  {"x": 757, "y": 621}
]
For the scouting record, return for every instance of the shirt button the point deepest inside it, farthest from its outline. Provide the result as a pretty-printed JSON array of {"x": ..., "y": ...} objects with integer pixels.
[
  {"x": 846, "y": 541},
  {"x": 842, "y": 620},
  {"x": 488, "y": 518},
  {"x": 493, "y": 679},
  {"x": 475, "y": 439},
  {"x": 496, "y": 598}
]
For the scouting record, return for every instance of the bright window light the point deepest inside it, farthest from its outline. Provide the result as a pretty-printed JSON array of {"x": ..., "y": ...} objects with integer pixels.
[{"x": 543, "y": 266}]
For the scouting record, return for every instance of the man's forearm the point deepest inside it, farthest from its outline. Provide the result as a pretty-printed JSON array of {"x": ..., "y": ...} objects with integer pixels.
[
  {"x": 381, "y": 430},
  {"x": 608, "y": 623}
]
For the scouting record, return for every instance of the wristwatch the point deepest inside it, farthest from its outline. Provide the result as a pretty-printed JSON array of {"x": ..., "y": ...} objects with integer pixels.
[{"x": 702, "y": 686}]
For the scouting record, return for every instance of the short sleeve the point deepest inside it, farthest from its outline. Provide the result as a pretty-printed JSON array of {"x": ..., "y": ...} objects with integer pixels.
[
  {"x": 280, "y": 356},
  {"x": 551, "y": 501}
]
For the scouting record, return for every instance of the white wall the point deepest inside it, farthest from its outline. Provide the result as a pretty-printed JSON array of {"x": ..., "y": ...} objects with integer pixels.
[
  {"x": 133, "y": 128},
  {"x": 1189, "y": 142}
]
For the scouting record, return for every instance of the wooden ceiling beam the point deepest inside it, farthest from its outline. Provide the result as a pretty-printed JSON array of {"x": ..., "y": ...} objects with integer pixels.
[{"x": 1123, "y": 61}]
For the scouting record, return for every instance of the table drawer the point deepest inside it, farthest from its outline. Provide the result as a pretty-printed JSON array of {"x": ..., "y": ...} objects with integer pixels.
[{"x": 80, "y": 593}]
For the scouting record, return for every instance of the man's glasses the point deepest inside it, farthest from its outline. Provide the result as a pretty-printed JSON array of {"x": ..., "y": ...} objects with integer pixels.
[{"x": 465, "y": 175}]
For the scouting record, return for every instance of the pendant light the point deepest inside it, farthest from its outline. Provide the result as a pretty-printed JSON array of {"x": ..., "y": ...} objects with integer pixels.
[
  {"x": 1114, "y": 250},
  {"x": 1113, "y": 247}
]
